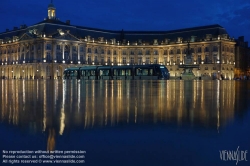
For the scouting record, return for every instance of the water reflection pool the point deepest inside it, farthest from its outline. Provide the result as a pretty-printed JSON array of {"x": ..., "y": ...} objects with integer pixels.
[{"x": 128, "y": 122}]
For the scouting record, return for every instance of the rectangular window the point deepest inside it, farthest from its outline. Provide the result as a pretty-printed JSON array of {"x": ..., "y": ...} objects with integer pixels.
[
  {"x": 199, "y": 49},
  {"x": 48, "y": 46},
  {"x": 108, "y": 60},
  {"x": 131, "y": 60},
  {"x": 89, "y": 59},
  {"x": 155, "y": 61},
  {"x": 90, "y": 73},
  {"x": 139, "y": 60},
  {"x": 104, "y": 72},
  {"x": 144, "y": 72},
  {"x": 139, "y": 52},
  {"x": 155, "y": 52},
  {"x": 96, "y": 60},
  {"x": 178, "y": 51},
  {"x": 124, "y": 60},
  {"x": 122, "y": 72}
]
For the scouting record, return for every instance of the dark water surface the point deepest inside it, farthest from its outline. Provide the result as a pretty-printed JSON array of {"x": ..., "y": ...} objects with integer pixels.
[{"x": 131, "y": 123}]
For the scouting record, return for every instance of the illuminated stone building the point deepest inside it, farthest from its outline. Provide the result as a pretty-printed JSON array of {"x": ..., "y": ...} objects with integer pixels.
[
  {"x": 241, "y": 58},
  {"x": 45, "y": 49}
]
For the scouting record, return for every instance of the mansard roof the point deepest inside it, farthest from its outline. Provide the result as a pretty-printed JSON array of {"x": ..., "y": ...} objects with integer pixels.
[
  {"x": 199, "y": 32},
  {"x": 50, "y": 27}
]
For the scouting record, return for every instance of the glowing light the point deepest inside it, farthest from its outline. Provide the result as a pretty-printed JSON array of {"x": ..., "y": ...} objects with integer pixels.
[
  {"x": 93, "y": 63},
  {"x": 44, "y": 60},
  {"x": 63, "y": 61},
  {"x": 79, "y": 62},
  {"x": 23, "y": 61},
  {"x": 218, "y": 61},
  {"x": 55, "y": 61},
  {"x": 127, "y": 63}
]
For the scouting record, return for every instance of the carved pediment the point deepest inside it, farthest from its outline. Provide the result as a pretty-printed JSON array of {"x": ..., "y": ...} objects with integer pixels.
[
  {"x": 67, "y": 36},
  {"x": 25, "y": 37}
]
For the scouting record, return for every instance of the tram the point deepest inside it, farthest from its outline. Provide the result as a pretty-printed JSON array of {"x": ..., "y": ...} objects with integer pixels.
[{"x": 125, "y": 72}]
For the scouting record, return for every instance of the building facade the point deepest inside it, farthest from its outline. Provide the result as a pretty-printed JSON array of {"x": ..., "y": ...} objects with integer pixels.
[
  {"x": 45, "y": 49},
  {"x": 241, "y": 58}
]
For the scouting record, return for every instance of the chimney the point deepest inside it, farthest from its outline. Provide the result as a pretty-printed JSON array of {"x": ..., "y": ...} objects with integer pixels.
[
  {"x": 15, "y": 28},
  {"x": 68, "y": 22}
]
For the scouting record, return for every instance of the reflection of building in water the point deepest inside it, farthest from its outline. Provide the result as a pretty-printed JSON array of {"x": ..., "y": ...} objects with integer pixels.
[
  {"x": 241, "y": 94},
  {"x": 44, "y": 49},
  {"x": 115, "y": 102},
  {"x": 51, "y": 140},
  {"x": 54, "y": 107}
]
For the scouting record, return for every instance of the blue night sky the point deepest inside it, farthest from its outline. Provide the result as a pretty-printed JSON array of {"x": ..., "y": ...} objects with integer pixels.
[{"x": 234, "y": 15}]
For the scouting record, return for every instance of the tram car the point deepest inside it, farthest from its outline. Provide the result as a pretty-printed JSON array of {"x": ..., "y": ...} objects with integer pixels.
[{"x": 125, "y": 72}]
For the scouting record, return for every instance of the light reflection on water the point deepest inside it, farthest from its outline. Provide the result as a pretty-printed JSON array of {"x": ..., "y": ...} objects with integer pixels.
[
  {"x": 91, "y": 104},
  {"x": 54, "y": 109}
]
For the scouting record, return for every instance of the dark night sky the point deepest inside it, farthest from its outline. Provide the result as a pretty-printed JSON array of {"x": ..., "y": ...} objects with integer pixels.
[{"x": 234, "y": 15}]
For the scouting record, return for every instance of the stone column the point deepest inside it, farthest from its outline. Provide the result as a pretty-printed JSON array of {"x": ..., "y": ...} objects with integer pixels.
[
  {"x": 219, "y": 52},
  {"x": 23, "y": 52},
  {"x": 203, "y": 53},
  {"x": 78, "y": 53},
  {"x": 35, "y": 53},
  {"x": 168, "y": 59},
  {"x": 54, "y": 44},
  {"x": 44, "y": 51},
  {"x": 29, "y": 49},
  {"x": 63, "y": 48},
  {"x": 151, "y": 55},
  {"x": 70, "y": 52}
]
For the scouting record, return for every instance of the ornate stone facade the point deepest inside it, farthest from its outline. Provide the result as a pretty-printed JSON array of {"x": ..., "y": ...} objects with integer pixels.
[{"x": 45, "y": 49}]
